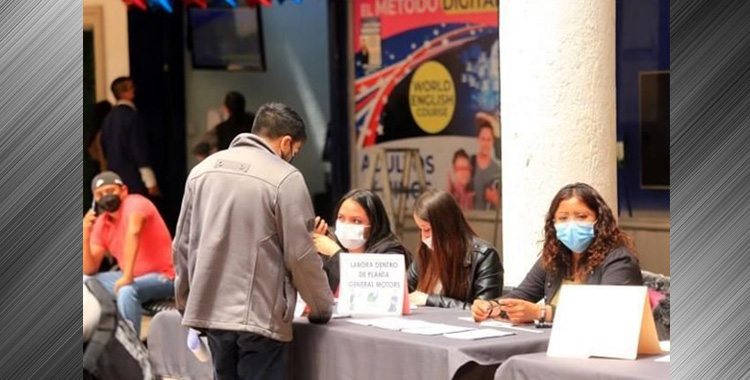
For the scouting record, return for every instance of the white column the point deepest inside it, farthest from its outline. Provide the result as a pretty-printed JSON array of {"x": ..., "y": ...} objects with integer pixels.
[{"x": 557, "y": 62}]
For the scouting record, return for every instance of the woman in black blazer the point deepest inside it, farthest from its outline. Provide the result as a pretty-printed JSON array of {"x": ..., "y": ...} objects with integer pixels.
[{"x": 582, "y": 245}]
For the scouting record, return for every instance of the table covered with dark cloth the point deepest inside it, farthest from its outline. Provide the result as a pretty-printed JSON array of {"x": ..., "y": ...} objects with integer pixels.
[
  {"x": 343, "y": 350},
  {"x": 540, "y": 366}
]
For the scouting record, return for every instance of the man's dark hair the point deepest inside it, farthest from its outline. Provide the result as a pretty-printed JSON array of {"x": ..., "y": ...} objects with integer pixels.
[
  {"x": 274, "y": 120},
  {"x": 483, "y": 125},
  {"x": 235, "y": 102},
  {"x": 203, "y": 148},
  {"x": 120, "y": 85}
]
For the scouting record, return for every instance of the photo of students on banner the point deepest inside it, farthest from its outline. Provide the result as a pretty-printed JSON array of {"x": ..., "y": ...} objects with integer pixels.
[{"x": 428, "y": 78}]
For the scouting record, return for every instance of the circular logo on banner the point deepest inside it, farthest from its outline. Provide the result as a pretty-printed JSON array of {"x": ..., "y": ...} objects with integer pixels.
[{"x": 432, "y": 97}]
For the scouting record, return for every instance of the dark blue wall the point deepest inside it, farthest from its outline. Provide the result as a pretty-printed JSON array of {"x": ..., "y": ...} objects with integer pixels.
[{"x": 642, "y": 45}]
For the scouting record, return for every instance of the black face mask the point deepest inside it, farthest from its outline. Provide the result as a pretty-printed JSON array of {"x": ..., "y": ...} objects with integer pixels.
[
  {"x": 110, "y": 202},
  {"x": 288, "y": 158}
]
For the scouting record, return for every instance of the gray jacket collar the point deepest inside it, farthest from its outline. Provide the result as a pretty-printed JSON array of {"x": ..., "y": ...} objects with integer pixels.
[{"x": 251, "y": 140}]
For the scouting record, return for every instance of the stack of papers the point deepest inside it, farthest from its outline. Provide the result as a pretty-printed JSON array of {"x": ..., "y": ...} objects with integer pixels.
[
  {"x": 436, "y": 329},
  {"x": 415, "y": 326},
  {"x": 474, "y": 334},
  {"x": 505, "y": 325},
  {"x": 393, "y": 323},
  {"x": 299, "y": 309}
]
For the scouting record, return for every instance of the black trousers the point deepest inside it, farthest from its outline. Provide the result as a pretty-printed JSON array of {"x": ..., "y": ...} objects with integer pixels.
[{"x": 246, "y": 356}]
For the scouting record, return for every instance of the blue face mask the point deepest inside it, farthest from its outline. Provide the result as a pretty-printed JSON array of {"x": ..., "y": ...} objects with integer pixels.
[{"x": 577, "y": 236}]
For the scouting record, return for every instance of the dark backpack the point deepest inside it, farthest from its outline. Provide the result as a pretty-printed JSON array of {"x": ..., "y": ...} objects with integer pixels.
[{"x": 113, "y": 351}]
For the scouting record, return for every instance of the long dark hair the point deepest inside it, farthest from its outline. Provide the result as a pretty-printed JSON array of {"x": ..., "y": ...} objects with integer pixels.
[
  {"x": 556, "y": 257},
  {"x": 380, "y": 225},
  {"x": 451, "y": 240}
]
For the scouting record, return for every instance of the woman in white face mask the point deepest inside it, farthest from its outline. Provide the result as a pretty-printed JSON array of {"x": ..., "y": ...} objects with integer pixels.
[
  {"x": 453, "y": 266},
  {"x": 582, "y": 245},
  {"x": 362, "y": 225}
]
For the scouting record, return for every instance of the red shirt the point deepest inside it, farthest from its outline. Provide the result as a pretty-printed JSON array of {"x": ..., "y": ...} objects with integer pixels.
[{"x": 154, "y": 244}]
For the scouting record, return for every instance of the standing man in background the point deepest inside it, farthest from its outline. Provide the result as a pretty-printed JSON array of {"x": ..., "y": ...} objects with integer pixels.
[
  {"x": 123, "y": 139},
  {"x": 238, "y": 122},
  {"x": 243, "y": 249}
]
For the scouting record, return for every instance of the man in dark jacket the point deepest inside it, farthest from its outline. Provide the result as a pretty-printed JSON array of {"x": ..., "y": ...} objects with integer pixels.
[
  {"x": 238, "y": 122},
  {"x": 124, "y": 142}
]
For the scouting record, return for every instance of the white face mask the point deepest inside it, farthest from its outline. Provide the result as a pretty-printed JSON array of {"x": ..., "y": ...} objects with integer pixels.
[
  {"x": 351, "y": 236},
  {"x": 428, "y": 242}
]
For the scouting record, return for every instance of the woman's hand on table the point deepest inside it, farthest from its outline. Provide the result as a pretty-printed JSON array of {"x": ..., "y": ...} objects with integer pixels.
[
  {"x": 418, "y": 298},
  {"x": 520, "y": 311},
  {"x": 481, "y": 309}
]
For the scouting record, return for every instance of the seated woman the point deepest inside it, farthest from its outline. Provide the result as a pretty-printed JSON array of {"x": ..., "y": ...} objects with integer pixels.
[
  {"x": 362, "y": 225},
  {"x": 453, "y": 267},
  {"x": 582, "y": 245}
]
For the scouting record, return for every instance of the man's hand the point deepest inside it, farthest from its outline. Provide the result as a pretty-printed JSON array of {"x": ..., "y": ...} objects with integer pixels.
[
  {"x": 88, "y": 221},
  {"x": 122, "y": 281},
  {"x": 154, "y": 191},
  {"x": 325, "y": 245},
  {"x": 418, "y": 298}
]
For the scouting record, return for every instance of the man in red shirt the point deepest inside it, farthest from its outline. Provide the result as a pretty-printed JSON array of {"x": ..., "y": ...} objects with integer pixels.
[{"x": 128, "y": 227}]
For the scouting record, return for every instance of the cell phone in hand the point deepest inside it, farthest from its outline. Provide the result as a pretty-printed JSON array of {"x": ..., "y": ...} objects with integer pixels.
[{"x": 95, "y": 207}]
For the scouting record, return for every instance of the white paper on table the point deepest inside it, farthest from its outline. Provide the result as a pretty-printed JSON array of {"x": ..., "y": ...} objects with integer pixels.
[
  {"x": 478, "y": 334},
  {"x": 664, "y": 345},
  {"x": 299, "y": 308},
  {"x": 505, "y": 325},
  {"x": 400, "y": 323},
  {"x": 436, "y": 329},
  {"x": 361, "y": 321},
  {"x": 392, "y": 323},
  {"x": 664, "y": 359}
]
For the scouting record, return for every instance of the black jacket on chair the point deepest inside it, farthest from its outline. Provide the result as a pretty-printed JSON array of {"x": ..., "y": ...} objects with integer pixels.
[{"x": 485, "y": 280}]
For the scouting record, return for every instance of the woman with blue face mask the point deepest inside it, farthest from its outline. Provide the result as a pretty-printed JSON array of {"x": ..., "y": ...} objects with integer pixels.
[
  {"x": 362, "y": 226},
  {"x": 582, "y": 245}
]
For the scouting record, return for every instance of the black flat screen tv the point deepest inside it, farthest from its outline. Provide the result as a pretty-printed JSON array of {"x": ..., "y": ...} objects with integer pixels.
[
  {"x": 226, "y": 38},
  {"x": 654, "y": 125}
]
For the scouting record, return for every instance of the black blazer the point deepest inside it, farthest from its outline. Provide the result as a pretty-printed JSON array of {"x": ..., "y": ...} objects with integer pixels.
[
  {"x": 485, "y": 281},
  {"x": 332, "y": 264},
  {"x": 618, "y": 268},
  {"x": 229, "y": 129}
]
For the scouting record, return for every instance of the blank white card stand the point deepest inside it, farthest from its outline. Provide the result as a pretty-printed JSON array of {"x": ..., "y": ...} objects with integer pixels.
[{"x": 604, "y": 321}]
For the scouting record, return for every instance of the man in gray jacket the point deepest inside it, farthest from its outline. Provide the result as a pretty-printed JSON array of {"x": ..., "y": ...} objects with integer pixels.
[{"x": 243, "y": 249}]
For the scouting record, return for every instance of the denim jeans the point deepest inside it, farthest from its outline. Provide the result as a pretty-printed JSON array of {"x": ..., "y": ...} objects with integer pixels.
[{"x": 149, "y": 287}]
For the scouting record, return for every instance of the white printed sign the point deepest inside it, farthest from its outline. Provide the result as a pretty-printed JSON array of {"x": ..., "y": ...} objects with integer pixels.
[
  {"x": 603, "y": 320},
  {"x": 372, "y": 284}
]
